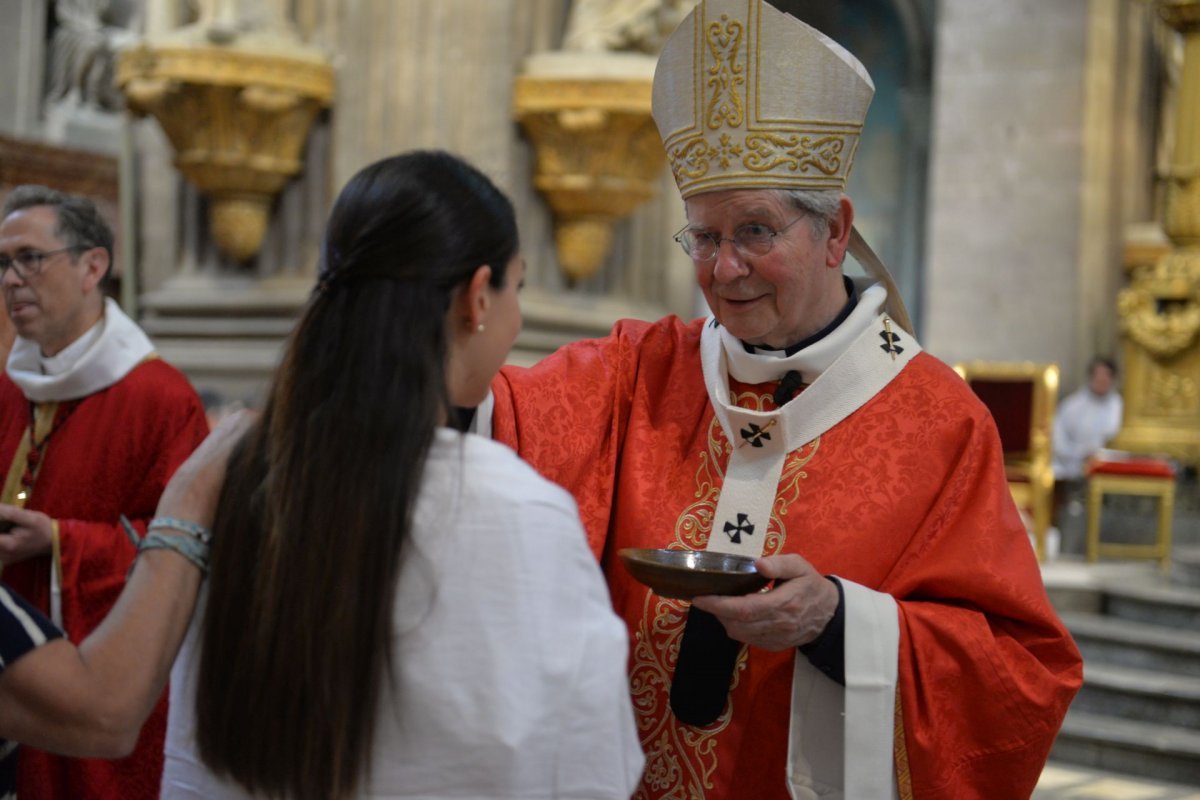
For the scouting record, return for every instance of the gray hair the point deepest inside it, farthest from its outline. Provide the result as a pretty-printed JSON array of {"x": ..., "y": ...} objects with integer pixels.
[
  {"x": 821, "y": 205},
  {"x": 79, "y": 221}
]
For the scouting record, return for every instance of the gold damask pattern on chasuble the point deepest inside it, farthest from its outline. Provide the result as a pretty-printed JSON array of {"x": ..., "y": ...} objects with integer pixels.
[{"x": 681, "y": 759}]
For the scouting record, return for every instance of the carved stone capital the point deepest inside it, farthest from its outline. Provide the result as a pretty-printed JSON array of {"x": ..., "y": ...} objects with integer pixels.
[
  {"x": 238, "y": 120},
  {"x": 598, "y": 155},
  {"x": 1182, "y": 15}
]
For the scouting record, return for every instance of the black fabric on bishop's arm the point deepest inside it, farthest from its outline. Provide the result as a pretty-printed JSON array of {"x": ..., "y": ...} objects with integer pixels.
[
  {"x": 704, "y": 669},
  {"x": 707, "y": 656},
  {"x": 828, "y": 651}
]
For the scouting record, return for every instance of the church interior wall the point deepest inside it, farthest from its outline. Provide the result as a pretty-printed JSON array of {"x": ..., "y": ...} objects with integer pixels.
[
  {"x": 1042, "y": 140},
  {"x": 1048, "y": 128},
  {"x": 22, "y": 53},
  {"x": 1005, "y": 180}
]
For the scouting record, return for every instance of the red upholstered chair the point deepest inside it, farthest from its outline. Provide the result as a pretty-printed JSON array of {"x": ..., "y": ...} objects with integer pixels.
[
  {"x": 1022, "y": 397},
  {"x": 1127, "y": 473}
]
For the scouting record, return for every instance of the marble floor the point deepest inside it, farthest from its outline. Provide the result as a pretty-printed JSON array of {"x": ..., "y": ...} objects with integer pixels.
[{"x": 1068, "y": 782}]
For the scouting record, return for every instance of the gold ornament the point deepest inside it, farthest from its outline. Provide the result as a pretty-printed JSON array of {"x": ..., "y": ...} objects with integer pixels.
[{"x": 237, "y": 116}]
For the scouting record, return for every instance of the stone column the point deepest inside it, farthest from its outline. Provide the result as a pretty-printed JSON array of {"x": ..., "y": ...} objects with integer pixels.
[
  {"x": 22, "y": 55},
  {"x": 1004, "y": 202}
]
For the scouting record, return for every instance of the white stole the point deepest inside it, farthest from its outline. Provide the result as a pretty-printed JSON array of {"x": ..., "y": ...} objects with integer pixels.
[{"x": 845, "y": 370}]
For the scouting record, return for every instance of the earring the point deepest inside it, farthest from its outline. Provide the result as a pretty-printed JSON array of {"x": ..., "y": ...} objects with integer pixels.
[{"x": 479, "y": 328}]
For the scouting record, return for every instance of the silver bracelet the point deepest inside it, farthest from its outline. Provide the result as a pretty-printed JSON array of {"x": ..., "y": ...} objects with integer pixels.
[
  {"x": 193, "y": 550},
  {"x": 193, "y": 529},
  {"x": 193, "y": 545}
]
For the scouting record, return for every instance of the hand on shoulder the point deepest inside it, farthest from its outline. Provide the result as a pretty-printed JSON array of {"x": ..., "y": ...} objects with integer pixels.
[{"x": 194, "y": 489}]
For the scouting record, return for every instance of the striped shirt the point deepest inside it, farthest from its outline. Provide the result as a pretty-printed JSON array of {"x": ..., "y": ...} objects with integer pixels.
[{"x": 22, "y": 628}]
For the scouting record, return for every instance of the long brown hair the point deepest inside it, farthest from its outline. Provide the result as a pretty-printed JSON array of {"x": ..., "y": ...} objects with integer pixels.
[{"x": 317, "y": 504}]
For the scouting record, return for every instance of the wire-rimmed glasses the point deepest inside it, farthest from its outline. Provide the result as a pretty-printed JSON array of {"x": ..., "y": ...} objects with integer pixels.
[
  {"x": 752, "y": 239},
  {"x": 28, "y": 263}
]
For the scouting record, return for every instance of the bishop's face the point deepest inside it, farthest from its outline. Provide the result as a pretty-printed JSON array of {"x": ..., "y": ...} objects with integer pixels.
[{"x": 783, "y": 296}]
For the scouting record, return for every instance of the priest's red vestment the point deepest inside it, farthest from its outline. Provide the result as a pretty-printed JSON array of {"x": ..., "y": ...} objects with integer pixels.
[
  {"x": 111, "y": 456},
  {"x": 906, "y": 496}
]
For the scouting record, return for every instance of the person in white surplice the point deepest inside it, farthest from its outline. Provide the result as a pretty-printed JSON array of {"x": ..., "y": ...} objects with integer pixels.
[{"x": 1087, "y": 420}]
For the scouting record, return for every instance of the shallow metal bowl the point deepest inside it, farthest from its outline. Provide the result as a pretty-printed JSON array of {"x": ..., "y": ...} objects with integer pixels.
[{"x": 684, "y": 574}]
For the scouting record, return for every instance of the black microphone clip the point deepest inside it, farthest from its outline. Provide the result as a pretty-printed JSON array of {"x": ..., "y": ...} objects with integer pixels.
[{"x": 788, "y": 386}]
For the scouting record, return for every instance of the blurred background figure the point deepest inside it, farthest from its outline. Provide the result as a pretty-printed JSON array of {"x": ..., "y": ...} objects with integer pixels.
[
  {"x": 1086, "y": 420},
  {"x": 92, "y": 425}
]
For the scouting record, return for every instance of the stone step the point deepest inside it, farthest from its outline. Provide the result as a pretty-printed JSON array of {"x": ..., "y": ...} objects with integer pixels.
[
  {"x": 1131, "y": 747},
  {"x": 1140, "y": 695},
  {"x": 1138, "y": 645},
  {"x": 1157, "y": 604},
  {"x": 1185, "y": 567}
]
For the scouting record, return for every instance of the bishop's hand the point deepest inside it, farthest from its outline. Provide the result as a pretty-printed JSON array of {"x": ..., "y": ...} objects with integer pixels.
[{"x": 793, "y": 612}]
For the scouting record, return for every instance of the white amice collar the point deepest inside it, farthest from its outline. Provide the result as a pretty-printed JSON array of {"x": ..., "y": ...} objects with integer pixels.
[
  {"x": 104, "y": 355},
  {"x": 813, "y": 360},
  {"x": 62, "y": 361}
]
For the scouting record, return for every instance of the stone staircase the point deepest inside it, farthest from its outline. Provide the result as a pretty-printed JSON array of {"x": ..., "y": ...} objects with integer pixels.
[{"x": 1138, "y": 712}]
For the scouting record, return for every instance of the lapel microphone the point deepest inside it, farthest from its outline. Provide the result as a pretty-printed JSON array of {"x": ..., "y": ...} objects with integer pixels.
[{"x": 788, "y": 386}]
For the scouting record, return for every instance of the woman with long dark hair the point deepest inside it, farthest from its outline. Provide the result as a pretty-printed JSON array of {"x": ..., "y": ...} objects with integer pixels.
[{"x": 397, "y": 609}]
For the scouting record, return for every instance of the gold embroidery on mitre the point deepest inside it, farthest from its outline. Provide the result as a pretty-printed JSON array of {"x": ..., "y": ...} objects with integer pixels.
[
  {"x": 726, "y": 75},
  {"x": 691, "y": 160},
  {"x": 769, "y": 150},
  {"x": 820, "y": 156},
  {"x": 681, "y": 759},
  {"x": 753, "y": 117}
]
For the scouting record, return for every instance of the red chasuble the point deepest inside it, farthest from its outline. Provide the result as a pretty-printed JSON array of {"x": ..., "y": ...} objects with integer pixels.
[
  {"x": 906, "y": 496},
  {"x": 112, "y": 455}
]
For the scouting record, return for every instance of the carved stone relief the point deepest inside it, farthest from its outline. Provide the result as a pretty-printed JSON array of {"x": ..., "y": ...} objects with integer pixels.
[
  {"x": 83, "y": 51},
  {"x": 623, "y": 25}
]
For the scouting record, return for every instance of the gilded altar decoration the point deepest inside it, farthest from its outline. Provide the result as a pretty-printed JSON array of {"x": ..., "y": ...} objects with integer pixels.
[
  {"x": 1159, "y": 317},
  {"x": 1160, "y": 309},
  {"x": 236, "y": 106},
  {"x": 598, "y": 154},
  {"x": 1182, "y": 212},
  {"x": 1162, "y": 321}
]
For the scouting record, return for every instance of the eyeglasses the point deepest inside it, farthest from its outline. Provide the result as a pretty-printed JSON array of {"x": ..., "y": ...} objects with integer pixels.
[
  {"x": 754, "y": 239},
  {"x": 28, "y": 263}
]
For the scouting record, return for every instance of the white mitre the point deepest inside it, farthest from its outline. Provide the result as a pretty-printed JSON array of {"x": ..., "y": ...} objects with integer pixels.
[{"x": 748, "y": 97}]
